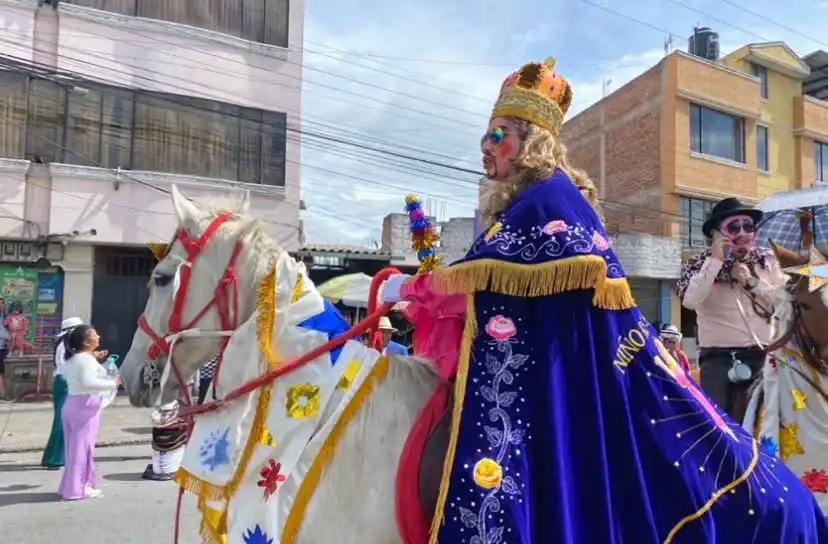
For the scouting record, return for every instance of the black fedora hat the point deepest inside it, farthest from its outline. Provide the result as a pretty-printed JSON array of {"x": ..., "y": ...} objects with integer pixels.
[{"x": 728, "y": 208}]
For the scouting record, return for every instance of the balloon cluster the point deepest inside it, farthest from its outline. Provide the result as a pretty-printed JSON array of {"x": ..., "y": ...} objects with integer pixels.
[{"x": 423, "y": 237}]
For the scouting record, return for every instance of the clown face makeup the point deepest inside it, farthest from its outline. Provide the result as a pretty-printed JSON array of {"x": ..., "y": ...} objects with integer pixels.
[
  {"x": 740, "y": 232},
  {"x": 500, "y": 146}
]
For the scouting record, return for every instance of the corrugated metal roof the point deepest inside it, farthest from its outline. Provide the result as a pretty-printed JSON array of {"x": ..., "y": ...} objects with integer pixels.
[{"x": 344, "y": 249}]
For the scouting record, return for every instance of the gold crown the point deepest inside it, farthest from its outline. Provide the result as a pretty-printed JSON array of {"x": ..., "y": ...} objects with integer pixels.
[{"x": 535, "y": 93}]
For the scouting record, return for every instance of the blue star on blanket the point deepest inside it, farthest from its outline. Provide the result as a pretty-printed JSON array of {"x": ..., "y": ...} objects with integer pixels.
[{"x": 329, "y": 322}]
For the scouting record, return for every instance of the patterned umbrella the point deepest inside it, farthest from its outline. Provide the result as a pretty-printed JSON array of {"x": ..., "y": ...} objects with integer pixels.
[
  {"x": 782, "y": 212},
  {"x": 351, "y": 290}
]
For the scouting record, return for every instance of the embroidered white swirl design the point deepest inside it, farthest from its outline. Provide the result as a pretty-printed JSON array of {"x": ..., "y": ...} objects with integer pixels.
[{"x": 503, "y": 433}]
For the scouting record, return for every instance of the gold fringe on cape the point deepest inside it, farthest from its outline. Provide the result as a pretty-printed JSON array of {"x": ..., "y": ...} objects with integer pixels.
[
  {"x": 326, "y": 454},
  {"x": 582, "y": 272}
]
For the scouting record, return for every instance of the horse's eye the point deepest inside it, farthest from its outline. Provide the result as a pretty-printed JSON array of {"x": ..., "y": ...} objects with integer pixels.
[
  {"x": 805, "y": 306},
  {"x": 162, "y": 280}
]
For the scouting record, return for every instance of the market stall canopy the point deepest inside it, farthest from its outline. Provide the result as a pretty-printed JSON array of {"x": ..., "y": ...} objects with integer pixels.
[{"x": 351, "y": 290}]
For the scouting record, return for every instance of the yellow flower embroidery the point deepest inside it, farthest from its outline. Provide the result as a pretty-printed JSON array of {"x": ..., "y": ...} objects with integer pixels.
[
  {"x": 266, "y": 439},
  {"x": 789, "y": 442},
  {"x": 493, "y": 230},
  {"x": 488, "y": 473},
  {"x": 799, "y": 402},
  {"x": 302, "y": 401},
  {"x": 349, "y": 375}
]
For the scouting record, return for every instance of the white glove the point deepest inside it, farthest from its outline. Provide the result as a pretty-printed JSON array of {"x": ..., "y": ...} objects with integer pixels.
[{"x": 392, "y": 287}]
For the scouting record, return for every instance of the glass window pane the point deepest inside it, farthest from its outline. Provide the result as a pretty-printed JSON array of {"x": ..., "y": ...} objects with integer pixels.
[
  {"x": 276, "y": 16},
  {"x": 762, "y": 148},
  {"x": 186, "y": 136},
  {"x": 116, "y": 120},
  {"x": 83, "y": 130},
  {"x": 695, "y": 128},
  {"x": 12, "y": 113},
  {"x": 275, "y": 147},
  {"x": 44, "y": 126},
  {"x": 721, "y": 135},
  {"x": 253, "y": 22}
]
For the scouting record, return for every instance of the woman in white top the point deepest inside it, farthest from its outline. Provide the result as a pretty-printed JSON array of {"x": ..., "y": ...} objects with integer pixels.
[
  {"x": 53, "y": 454},
  {"x": 87, "y": 382}
]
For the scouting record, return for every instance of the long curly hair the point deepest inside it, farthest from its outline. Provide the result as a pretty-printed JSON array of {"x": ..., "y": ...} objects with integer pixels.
[{"x": 540, "y": 154}]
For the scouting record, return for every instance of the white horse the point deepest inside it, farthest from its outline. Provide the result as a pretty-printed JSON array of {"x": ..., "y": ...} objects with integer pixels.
[{"x": 353, "y": 499}]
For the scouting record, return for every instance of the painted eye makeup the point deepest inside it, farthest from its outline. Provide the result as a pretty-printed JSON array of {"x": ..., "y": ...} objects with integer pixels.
[{"x": 736, "y": 227}]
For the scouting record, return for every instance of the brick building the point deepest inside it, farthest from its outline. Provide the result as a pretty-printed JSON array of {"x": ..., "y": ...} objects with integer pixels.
[{"x": 689, "y": 131}]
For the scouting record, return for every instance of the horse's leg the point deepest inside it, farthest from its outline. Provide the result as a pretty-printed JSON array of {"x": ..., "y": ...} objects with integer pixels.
[{"x": 354, "y": 502}]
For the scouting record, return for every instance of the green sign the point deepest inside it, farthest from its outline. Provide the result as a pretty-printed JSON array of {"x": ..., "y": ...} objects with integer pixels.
[{"x": 18, "y": 284}]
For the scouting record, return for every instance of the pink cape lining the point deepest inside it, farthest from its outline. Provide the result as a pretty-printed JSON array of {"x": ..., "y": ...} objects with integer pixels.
[{"x": 438, "y": 332}]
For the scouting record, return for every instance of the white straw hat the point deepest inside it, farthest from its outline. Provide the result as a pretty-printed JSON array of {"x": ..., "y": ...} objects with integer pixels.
[{"x": 385, "y": 325}]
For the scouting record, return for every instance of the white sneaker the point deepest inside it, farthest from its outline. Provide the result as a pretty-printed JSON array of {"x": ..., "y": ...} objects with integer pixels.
[{"x": 92, "y": 493}]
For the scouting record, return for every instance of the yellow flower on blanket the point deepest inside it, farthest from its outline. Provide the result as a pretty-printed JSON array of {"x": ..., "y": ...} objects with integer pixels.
[
  {"x": 488, "y": 473},
  {"x": 302, "y": 401},
  {"x": 789, "y": 442},
  {"x": 799, "y": 401},
  {"x": 349, "y": 375}
]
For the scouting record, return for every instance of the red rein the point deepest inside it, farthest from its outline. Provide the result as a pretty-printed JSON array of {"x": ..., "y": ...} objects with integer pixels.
[{"x": 227, "y": 307}]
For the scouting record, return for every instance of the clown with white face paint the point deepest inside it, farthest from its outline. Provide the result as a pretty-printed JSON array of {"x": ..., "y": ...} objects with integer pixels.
[{"x": 731, "y": 286}]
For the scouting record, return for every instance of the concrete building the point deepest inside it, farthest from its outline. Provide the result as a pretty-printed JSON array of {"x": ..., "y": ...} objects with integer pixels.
[
  {"x": 686, "y": 133},
  {"x": 103, "y": 107},
  {"x": 456, "y": 237}
]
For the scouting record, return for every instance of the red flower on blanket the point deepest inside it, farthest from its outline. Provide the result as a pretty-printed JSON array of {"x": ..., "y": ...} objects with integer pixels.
[
  {"x": 816, "y": 481},
  {"x": 271, "y": 478}
]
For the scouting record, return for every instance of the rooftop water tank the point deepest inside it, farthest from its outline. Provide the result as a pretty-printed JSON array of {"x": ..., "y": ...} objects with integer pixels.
[{"x": 704, "y": 43}]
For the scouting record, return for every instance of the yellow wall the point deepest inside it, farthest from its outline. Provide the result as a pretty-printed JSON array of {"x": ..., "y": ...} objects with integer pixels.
[{"x": 777, "y": 114}]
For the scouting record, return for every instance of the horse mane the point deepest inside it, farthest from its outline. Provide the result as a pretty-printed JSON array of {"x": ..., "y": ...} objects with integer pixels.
[{"x": 263, "y": 249}]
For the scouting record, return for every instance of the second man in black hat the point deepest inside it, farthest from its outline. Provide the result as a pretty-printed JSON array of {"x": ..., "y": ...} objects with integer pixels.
[{"x": 731, "y": 285}]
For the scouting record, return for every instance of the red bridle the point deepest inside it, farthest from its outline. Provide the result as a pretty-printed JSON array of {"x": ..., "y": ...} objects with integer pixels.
[{"x": 228, "y": 316}]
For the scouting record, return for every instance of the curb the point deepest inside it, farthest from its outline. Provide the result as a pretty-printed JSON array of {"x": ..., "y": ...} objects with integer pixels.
[{"x": 107, "y": 444}]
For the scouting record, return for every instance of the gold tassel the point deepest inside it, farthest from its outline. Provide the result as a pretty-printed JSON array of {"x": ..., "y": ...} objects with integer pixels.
[
  {"x": 326, "y": 454},
  {"x": 298, "y": 289},
  {"x": 266, "y": 317},
  {"x": 582, "y": 272},
  {"x": 203, "y": 489},
  {"x": 159, "y": 250},
  {"x": 256, "y": 430},
  {"x": 469, "y": 335},
  {"x": 213, "y": 524},
  {"x": 614, "y": 294}
]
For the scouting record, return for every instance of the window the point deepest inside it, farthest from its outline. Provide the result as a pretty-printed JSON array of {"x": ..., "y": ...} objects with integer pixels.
[
  {"x": 12, "y": 113},
  {"x": 112, "y": 127},
  {"x": 820, "y": 162},
  {"x": 718, "y": 134},
  {"x": 762, "y": 73},
  {"x": 762, "y": 149},
  {"x": 694, "y": 212},
  {"x": 263, "y": 21}
]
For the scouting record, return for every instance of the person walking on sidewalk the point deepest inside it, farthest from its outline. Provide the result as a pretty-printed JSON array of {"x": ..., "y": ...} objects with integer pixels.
[
  {"x": 4, "y": 339},
  {"x": 53, "y": 455},
  {"x": 87, "y": 382}
]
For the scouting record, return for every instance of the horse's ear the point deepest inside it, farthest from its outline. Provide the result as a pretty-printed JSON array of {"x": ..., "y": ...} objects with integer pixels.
[
  {"x": 185, "y": 209},
  {"x": 785, "y": 256},
  {"x": 244, "y": 205}
]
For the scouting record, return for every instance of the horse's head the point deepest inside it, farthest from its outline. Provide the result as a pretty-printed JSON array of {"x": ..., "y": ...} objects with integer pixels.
[
  {"x": 197, "y": 297},
  {"x": 798, "y": 301}
]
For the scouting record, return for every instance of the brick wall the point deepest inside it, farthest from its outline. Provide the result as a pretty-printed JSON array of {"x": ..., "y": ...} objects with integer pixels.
[{"x": 626, "y": 126}]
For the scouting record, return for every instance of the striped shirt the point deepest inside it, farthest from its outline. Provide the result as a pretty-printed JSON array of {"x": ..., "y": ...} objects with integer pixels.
[{"x": 208, "y": 369}]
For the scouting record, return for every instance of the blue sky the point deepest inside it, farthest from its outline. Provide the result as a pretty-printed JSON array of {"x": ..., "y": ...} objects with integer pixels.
[{"x": 361, "y": 85}]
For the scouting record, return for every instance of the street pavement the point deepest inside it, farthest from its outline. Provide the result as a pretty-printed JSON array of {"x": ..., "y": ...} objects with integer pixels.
[
  {"x": 25, "y": 427},
  {"x": 131, "y": 510}
]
